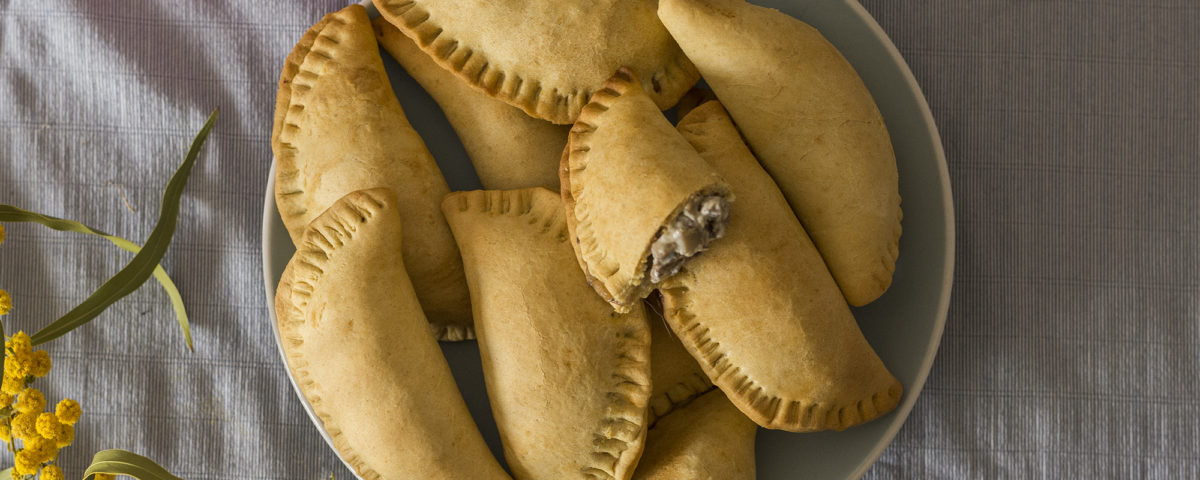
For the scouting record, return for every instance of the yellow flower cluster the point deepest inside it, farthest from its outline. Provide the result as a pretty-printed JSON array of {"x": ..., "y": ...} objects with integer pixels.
[
  {"x": 5, "y": 300},
  {"x": 40, "y": 434}
]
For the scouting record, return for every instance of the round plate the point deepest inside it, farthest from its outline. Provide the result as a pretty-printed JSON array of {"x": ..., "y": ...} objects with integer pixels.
[{"x": 904, "y": 325}]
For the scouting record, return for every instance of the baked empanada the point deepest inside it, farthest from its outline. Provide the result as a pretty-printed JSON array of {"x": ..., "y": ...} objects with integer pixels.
[
  {"x": 639, "y": 200},
  {"x": 675, "y": 377},
  {"x": 342, "y": 130},
  {"x": 508, "y": 148},
  {"x": 546, "y": 57},
  {"x": 568, "y": 379},
  {"x": 707, "y": 439},
  {"x": 361, "y": 351},
  {"x": 811, "y": 122},
  {"x": 760, "y": 311}
]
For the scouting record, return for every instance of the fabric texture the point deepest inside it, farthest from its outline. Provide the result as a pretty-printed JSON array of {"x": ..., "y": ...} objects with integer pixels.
[{"x": 1072, "y": 131}]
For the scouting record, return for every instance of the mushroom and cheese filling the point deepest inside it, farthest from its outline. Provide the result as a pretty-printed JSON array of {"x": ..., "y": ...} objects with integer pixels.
[{"x": 702, "y": 220}]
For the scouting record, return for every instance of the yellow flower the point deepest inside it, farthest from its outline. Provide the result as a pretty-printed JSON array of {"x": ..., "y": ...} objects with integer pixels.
[
  {"x": 13, "y": 383},
  {"x": 52, "y": 472},
  {"x": 5, "y": 432},
  {"x": 68, "y": 411},
  {"x": 48, "y": 426},
  {"x": 1, "y": 233},
  {"x": 26, "y": 463},
  {"x": 31, "y": 400},
  {"x": 44, "y": 449},
  {"x": 39, "y": 363},
  {"x": 24, "y": 426},
  {"x": 5, "y": 399},
  {"x": 19, "y": 343},
  {"x": 65, "y": 436},
  {"x": 5, "y": 302}
]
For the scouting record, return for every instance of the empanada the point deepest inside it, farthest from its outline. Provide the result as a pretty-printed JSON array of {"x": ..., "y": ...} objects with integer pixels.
[
  {"x": 760, "y": 311},
  {"x": 342, "y": 130},
  {"x": 707, "y": 439},
  {"x": 811, "y": 122},
  {"x": 639, "y": 200},
  {"x": 546, "y": 57},
  {"x": 675, "y": 376},
  {"x": 568, "y": 379},
  {"x": 508, "y": 148},
  {"x": 361, "y": 351}
]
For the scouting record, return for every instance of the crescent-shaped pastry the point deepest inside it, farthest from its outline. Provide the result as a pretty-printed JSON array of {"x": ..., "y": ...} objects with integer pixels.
[
  {"x": 811, "y": 122},
  {"x": 361, "y": 351},
  {"x": 509, "y": 149},
  {"x": 546, "y": 57},
  {"x": 707, "y": 439},
  {"x": 341, "y": 129},
  {"x": 640, "y": 201},
  {"x": 675, "y": 376},
  {"x": 760, "y": 311},
  {"x": 568, "y": 379}
]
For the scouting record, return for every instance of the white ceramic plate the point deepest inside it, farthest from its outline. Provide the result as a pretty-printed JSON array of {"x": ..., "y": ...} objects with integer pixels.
[{"x": 904, "y": 326}]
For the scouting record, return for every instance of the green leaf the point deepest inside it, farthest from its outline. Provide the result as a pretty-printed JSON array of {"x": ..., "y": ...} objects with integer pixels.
[
  {"x": 144, "y": 262},
  {"x": 121, "y": 462},
  {"x": 6, "y": 473},
  {"x": 9, "y": 213}
]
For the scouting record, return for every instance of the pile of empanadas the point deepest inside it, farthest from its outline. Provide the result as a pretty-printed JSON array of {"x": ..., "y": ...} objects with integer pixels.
[{"x": 644, "y": 294}]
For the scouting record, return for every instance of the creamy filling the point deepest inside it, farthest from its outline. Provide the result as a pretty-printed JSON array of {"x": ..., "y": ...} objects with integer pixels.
[{"x": 700, "y": 222}]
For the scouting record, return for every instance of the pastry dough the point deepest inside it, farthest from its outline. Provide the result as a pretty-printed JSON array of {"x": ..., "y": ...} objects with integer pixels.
[
  {"x": 360, "y": 350},
  {"x": 628, "y": 179},
  {"x": 508, "y": 148},
  {"x": 342, "y": 130},
  {"x": 546, "y": 57},
  {"x": 762, "y": 314},
  {"x": 568, "y": 379},
  {"x": 707, "y": 439},
  {"x": 675, "y": 376},
  {"x": 811, "y": 122}
]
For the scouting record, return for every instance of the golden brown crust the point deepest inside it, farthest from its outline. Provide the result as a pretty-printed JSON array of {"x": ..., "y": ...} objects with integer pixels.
[
  {"x": 568, "y": 379},
  {"x": 762, "y": 295},
  {"x": 342, "y": 130},
  {"x": 706, "y": 439},
  {"x": 676, "y": 378},
  {"x": 508, "y": 148},
  {"x": 625, "y": 173},
  {"x": 362, "y": 354},
  {"x": 545, "y": 58},
  {"x": 812, "y": 123}
]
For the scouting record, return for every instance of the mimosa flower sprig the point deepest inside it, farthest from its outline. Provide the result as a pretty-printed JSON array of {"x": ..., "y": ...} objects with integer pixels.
[{"x": 33, "y": 436}]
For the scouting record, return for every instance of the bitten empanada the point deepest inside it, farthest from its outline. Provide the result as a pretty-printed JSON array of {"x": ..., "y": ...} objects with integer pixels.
[
  {"x": 813, "y": 124},
  {"x": 675, "y": 376},
  {"x": 640, "y": 201},
  {"x": 760, "y": 311},
  {"x": 361, "y": 351},
  {"x": 341, "y": 129},
  {"x": 508, "y": 148},
  {"x": 706, "y": 439},
  {"x": 546, "y": 57},
  {"x": 568, "y": 378}
]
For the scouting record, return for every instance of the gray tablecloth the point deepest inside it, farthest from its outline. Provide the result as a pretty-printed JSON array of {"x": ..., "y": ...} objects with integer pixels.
[{"x": 1072, "y": 131}]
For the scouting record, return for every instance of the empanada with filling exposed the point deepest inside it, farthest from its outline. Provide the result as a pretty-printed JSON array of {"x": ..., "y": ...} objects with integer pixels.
[
  {"x": 361, "y": 352},
  {"x": 341, "y": 129},
  {"x": 508, "y": 148},
  {"x": 706, "y": 439},
  {"x": 814, "y": 125},
  {"x": 639, "y": 200},
  {"x": 568, "y": 378},
  {"x": 546, "y": 57},
  {"x": 760, "y": 311}
]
